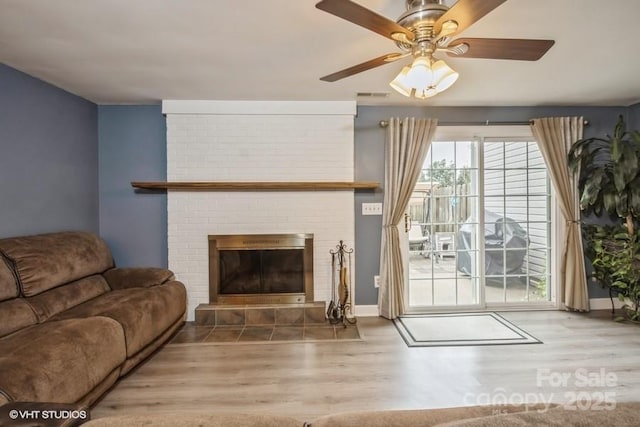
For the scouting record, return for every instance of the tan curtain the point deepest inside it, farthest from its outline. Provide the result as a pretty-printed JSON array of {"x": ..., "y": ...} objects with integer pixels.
[
  {"x": 407, "y": 145},
  {"x": 555, "y": 136}
]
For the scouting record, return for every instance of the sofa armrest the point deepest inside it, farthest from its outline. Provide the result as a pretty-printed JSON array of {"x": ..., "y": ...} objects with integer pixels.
[{"x": 137, "y": 277}]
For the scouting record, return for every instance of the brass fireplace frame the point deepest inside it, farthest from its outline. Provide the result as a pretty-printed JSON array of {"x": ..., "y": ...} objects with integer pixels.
[{"x": 257, "y": 242}]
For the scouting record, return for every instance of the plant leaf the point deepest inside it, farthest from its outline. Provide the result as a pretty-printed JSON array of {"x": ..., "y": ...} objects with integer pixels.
[
  {"x": 619, "y": 130},
  {"x": 634, "y": 197},
  {"x": 609, "y": 200},
  {"x": 616, "y": 149},
  {"x": 619, "y": 179},
  {"x": 627, "y": 165},
  {"x": 621, "y": 205}
]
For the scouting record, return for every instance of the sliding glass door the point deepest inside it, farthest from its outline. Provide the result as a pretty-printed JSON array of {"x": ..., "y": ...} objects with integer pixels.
[
  {"x": 517, "y": 221},
  {"x": 444, "y": 202},
  {"x": 479, "y": 226}
]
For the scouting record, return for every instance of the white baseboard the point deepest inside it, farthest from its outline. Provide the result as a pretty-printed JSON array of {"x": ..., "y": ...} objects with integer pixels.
[
  {"x": 366, "y": 311},
  {"x": 603, "y": 303},
  {"x": 594, "y": 304}
]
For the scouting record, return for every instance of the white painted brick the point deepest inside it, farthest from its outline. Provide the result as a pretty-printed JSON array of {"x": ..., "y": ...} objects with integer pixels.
[{"x": 257, "y": 148}]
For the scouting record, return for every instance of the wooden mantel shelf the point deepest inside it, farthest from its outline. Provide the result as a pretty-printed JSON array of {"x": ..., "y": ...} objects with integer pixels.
[{"x": 256, "y": 186}]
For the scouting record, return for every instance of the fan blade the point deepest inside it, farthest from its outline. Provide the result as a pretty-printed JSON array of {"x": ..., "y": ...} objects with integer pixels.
[
  {"x": 518, "y": 49},
  {"x": 465, "y": 13},
  {"x": 381, "y": 60},
  {"x": 364, "y": 17}
]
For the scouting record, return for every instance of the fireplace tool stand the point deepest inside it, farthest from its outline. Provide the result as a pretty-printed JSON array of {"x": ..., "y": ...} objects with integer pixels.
[{"x": 340, "y": 308}]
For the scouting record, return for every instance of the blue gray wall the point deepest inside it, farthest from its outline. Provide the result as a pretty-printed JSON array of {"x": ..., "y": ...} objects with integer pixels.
[
  {"x": 66, "y": 164},
  {"x": 634, "y": 117},
  {"x": 48, "y": 158},
  {"x": 132, "y": 141},
  {"x": 369, "y": 159}
]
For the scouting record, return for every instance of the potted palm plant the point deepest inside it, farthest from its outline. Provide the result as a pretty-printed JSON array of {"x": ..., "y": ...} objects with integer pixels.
[{"x": 609, "y": 183}]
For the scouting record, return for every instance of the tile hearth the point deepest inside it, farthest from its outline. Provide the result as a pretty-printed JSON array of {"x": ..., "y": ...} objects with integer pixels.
[
  {"x": 225, "y": 324},
  {"x": 191, "y": 333},
  {"x": 255, "y": 315}
]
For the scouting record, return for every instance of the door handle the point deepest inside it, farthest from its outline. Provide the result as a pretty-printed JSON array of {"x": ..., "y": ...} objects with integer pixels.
[{"x": 407, "y": 222}]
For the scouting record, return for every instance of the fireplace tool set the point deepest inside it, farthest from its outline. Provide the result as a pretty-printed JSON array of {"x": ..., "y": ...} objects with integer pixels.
[{"x": 340, "y": 307}]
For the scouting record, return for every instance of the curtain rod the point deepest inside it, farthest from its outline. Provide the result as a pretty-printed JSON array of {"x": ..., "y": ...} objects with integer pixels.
[{"x": 385, "y": 123}]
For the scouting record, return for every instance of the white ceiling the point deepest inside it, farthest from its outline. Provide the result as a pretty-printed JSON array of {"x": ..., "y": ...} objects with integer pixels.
[{"x": 142, "y": 51}]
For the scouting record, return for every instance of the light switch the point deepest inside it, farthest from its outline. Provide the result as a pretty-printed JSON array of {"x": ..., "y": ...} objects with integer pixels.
[{"x": 372, "y": 209}]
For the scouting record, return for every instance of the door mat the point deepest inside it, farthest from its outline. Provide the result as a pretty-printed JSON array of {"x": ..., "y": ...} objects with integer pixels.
[{"x": 461, "y": 329}]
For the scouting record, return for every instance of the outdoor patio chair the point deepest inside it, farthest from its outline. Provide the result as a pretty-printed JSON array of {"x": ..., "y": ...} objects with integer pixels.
[
  {"x": 444, "y": 244},
  {"x": 418, "y": 240}
]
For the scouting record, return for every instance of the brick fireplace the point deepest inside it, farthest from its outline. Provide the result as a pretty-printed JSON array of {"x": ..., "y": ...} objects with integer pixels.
[{"x": 257, "y": 141}]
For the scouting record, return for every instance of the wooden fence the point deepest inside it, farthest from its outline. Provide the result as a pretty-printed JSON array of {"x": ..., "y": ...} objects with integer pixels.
[{"x": 445, "y": 207}]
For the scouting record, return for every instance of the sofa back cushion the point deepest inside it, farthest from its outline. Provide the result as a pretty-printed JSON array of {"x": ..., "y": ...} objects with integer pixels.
[
  {"x": 8, "y": 285},
  {"x": 48, "y": 304},
  {"x": 46, "y": 261},
  {"x": 15, "y": 314}
]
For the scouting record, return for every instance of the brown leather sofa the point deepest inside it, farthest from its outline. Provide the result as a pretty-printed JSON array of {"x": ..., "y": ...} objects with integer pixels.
[{"x": 71, "y": 323}]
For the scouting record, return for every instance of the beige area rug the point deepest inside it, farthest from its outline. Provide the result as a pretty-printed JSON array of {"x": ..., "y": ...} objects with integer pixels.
[{"x": 461, "y": 329}]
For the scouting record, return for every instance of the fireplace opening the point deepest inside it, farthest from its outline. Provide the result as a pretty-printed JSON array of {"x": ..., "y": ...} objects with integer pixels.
[
  {"x": 261, "y": 271},
  {"x": 255, "y": 269}
]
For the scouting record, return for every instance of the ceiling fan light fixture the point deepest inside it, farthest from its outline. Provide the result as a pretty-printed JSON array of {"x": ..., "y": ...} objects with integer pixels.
[
  {"x": 443, "y": 76},
  {"x": 400, "y": 83},
  {"x": 424, "y": 78},
  {"x": 425, "y": 93},
  {"x": 420, "y": 75}
]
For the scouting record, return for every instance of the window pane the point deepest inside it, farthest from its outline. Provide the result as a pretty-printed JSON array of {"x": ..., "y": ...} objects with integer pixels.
[
  {"x": 515, "y": 155},
  {"x": 494, "y": 207},
  {"x": 466, "y": 208},
  {"x": 494, "y": 182},
  {"x": 494, "y": 290},
  {"x": 516, "y": 182},
  {"x": 535, "y": 156},
  {"x": 494, "y": 155},
  {"x": 494, "y": 258},
  {"x": 517, "y": 209},
  {"x": 444, "y": 292},
  {"x": 538, "y": 288},
  {"x": 466, "y": 154},
  {"x": 516, "y": 289}
]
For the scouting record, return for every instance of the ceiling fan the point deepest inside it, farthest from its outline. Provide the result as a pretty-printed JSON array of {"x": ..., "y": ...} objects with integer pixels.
[{"x": 427, "y": 28}]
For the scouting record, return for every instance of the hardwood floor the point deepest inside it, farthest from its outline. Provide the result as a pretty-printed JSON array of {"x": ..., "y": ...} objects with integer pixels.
[{"x": 582, "y": 356}]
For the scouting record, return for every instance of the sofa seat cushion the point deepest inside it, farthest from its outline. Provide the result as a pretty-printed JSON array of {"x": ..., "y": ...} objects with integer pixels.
[
  {"x": 45, "y": 261},
  {"x": 60, "y": 361},
  {"x": 144, "y": 313}
]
